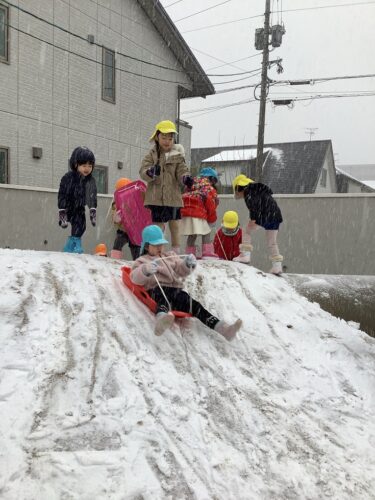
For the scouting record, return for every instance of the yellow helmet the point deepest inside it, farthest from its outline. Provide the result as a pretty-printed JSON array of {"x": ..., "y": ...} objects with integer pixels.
[
  {"x": 241, "y": 180},
  {"x": 230, "y": 219},
  {"x": 165, "y": 127}
]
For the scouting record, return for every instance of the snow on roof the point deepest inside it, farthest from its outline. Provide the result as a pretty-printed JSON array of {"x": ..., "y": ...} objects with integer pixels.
[
  {"x": 93, "y": 405},
  {"x": 234, "y": 155}
]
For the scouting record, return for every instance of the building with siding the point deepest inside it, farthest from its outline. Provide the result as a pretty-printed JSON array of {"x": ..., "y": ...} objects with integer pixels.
[{"x": 98, "y": 73}]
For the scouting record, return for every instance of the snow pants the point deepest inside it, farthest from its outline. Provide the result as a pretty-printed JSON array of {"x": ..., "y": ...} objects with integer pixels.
[
  {"x": 182, "y": 301},
  {"x": 78, "y": 221}
]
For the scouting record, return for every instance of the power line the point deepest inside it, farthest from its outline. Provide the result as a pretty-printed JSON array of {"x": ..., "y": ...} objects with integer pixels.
[
  {"x": 94, "y": 60},
  {"x": 237, "y": 60},
  {"x": 222, "y": 24},
  {"x": 290, "y": 10},
  {"x": 173, "y": 3},
  {"x": 200, "y": 11},
  {"x": 80, "y": 37}
]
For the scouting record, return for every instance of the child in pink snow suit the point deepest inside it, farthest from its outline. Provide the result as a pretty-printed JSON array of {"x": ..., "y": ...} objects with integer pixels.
[
  {"x": 165, "y": 171},
  {"x": 155, "y": 267},
  {"x": 199, "y": 212}
]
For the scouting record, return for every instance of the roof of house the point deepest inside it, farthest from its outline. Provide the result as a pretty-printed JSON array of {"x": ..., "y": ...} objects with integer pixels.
[
  {"x": 201, "y": 84},
  {"x": 342, "y": 177},
  {"x": 289, "y": 167},
  {"x": 364, "y": 172}
]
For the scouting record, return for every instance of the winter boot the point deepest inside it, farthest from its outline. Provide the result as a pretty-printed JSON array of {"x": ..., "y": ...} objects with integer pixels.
[
  {"x": 228, "y": 331},
  {"x": 189, "y": 250},
  {"x": 245, "y": 255},
  {"x": 277, "y": 267},
  {"x": 69, "y": 245},
  {"x": 176, "y": 250},
  {"x": 208, "y": 251},
  {"x": 116, "y": 254},
  {"x": 77, "y": 247},
  {"x": 163, "y": 322}
]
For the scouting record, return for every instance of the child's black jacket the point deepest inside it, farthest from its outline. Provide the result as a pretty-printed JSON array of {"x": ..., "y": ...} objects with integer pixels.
[
  {"x": 76, "y": 191},
  {"x": 262, "y": 207}
]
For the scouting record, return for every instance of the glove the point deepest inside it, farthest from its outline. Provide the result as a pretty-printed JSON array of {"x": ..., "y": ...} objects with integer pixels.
[
  {"x": 63, "y": 218},
  {"x": 117, "y": 217},
  {"x": 150, "y": 269},
  {"x": 190, "y": 260},
  {"x": 93, "y": 216},
  {"x": 153, "y": 171},
  {"x": 188, "y": 180}
]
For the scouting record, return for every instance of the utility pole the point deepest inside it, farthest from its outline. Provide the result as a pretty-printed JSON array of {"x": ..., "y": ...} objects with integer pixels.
[
  {"x": 263, "y": 93},
  {"x": 310, "y": 131}
]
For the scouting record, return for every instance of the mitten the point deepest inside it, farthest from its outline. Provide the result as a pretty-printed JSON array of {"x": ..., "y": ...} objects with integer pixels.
[
  {"x": 154, "y": 171},
  {"x": 188, "y": 180},
  {"x": 63, "y": 218},
  {"x": 190, "y": 260},
  {"x": 93, "y": 216},
  {"x": 150, "y": 269},
  {"x": 117, "y": 217}
]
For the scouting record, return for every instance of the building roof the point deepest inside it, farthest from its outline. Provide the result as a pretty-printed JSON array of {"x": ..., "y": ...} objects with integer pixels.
[
  {"x": 201, "y": 84},
  {"x": 289, "y": 167},
  {"x": 364, "y": 172},
  {"x": 343, "y": 178}
]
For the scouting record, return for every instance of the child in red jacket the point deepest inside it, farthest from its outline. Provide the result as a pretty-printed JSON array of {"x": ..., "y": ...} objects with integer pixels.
[
  {"x": 228, "y": 238},
  {"x": 199, "y": 212}
]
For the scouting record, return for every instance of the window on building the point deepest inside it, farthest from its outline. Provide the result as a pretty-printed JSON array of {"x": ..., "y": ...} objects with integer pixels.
[
  {"x": 4, "y": 166},
  {"x": 4, "y": 33},
  {"x": 100, "y": 174},
  {"x": 323, "y": 179},
  {"x": 108, "y": 75}
]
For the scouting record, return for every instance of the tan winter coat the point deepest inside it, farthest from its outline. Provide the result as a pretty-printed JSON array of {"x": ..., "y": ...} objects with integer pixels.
[
  {"x": 171, "y": 271},
  {"x": 165, "y": 189}
]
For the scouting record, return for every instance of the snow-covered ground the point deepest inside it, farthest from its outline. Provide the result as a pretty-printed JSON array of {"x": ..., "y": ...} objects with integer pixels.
[{"x": 94, "y": 406}]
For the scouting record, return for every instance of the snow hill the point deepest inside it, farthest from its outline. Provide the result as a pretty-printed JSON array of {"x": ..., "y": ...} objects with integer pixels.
[{"x": 94, "y": 406}]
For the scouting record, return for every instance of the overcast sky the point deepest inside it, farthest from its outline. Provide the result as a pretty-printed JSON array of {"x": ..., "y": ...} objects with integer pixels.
[{"x": 318, "y": 43}]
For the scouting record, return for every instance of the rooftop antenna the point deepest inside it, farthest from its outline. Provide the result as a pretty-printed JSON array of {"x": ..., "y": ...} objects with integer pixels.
[{"x": 310, "y": 131}]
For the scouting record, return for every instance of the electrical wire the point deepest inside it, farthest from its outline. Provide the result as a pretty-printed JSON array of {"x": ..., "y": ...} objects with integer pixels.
[
  {"x": 173, "y": 3},
  {"x": 80, "y": 37},
  {"x": 204, "y": 10},
  {"x": 287, "y": 10}
]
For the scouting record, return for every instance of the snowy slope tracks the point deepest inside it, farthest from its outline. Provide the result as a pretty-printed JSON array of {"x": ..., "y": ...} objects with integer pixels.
[{"x": 93, "y": 405}]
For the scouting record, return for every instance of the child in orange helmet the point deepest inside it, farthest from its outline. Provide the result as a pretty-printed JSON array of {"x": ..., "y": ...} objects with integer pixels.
[{"x": 122, "y": 238}]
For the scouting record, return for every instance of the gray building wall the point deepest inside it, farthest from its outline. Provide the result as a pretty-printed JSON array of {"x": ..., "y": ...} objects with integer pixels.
[
  {"x": 321, "y": 234},
  {"x": 51, "y": 98}
]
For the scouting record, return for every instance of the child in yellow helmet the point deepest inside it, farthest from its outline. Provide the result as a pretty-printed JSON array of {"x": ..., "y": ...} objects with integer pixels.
[
  {"x": 263, "y": 212},
  {"x": 165, "y": 171},
  {"x": 122, "y": 238},
  {"x": 228, "y": 238}
]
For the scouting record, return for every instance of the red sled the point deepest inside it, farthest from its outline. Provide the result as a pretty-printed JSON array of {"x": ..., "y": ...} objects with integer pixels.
[
  {"x": 135, "y": 216},
  {"x": 143, "y": 296}
]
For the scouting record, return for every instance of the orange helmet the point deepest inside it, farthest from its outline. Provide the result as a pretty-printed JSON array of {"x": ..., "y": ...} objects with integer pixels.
[
  {"x": 120, "y": 183},
  {"x": 101, "y": 249}
]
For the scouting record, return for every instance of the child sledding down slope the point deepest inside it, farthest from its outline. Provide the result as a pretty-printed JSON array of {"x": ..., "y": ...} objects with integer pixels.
[{"x": 155, "y": 267}]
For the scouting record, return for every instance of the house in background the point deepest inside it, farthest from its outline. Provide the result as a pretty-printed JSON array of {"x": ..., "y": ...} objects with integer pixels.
[
  {"x": 290, "y": 168},
  {"x": 349, "y": 184},
  {"x": 364, "y": 173},
  {"x": 99, "y": 73}
]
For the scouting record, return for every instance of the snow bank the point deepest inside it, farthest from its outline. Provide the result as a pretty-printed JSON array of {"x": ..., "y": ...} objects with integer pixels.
[{"x": 94, "y": 406}]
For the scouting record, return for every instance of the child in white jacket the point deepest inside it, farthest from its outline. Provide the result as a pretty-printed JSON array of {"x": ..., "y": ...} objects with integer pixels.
[{"x": 155, "y": 267}]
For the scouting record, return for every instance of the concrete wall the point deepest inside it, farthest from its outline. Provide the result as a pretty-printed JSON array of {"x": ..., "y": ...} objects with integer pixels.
[
  {"x": 51, "y": 98},
  {"x": 321, "y": 234}
]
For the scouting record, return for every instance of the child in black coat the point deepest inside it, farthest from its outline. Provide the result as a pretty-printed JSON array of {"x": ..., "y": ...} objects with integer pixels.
[
  {"x": 264, "y": 212},
  {"x": 77, "y": 189}
]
